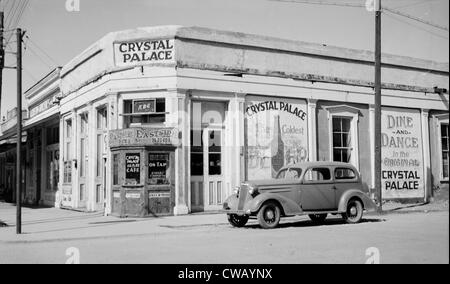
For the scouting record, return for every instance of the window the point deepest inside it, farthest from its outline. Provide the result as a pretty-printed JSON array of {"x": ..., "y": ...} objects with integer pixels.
[
  {"x": 215, "y": 153},
  {"x": 67, "y": 151},
  {"x": 343, "y": 134},
  {"x": 282, "y": 174},
  {"x": 342, "y": 139},
  {"x": 116, "y": 169},
  {"x": 82, "y": 192},
  {"x": 53, "y": 135},
  {"x": 99, "y": 167},
  {"x": 102, "y": 130},
  {"x": 196, "y": 153},
  {"x": 84, "y": 128},
  {"x": 52, "y": 169},
  {"x": 133, "y": 168},
  {"x": 158, "y": 169},
  {"x": 317, "y": 175},
  {"x": 293, "y": 174},
  {"x": 445, "y": 149},
  {"x": 158, "y": 117},
  {"x": 344, "y": 174}
]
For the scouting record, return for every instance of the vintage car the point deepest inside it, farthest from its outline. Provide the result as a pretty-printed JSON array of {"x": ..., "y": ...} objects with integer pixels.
[{"x": 315, "y": 189}]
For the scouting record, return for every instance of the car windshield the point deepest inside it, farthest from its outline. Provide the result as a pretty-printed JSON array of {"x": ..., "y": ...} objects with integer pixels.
[{"x": 292, "y": 173}]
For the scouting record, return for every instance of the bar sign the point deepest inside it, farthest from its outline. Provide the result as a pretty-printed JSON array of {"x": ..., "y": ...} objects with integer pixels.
[{"x": 144, "y": 106}]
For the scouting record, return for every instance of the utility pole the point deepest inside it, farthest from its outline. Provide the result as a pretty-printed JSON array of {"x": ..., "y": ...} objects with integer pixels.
[
  {"x": 2, "y": 55},
  {"x": 378, "y": 147},
  {"x": 19, "y": 134}
]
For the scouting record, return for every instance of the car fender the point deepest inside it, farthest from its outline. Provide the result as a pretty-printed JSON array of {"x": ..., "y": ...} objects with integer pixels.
[
  {"x": 289, "y": 207},
  {"x": 368, "y": 203}
]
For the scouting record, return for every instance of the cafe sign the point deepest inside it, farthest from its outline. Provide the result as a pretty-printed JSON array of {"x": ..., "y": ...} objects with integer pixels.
[
  {"x": 402, "y": 154},
  {"x": 141, "y": 136},
  {"x": 143, "y": 52}
]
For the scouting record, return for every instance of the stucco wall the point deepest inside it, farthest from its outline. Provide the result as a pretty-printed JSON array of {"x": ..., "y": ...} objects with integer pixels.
[{"x": 323, "y": 136}]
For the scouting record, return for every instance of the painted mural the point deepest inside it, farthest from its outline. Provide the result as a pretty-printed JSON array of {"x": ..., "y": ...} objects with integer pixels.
[
  {"x": 277, "y": 135},
  {"x": 402, "y": 154}
]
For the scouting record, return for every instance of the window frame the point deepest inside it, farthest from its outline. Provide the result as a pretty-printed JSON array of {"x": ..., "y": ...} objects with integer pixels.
[
  {"x": 440, "y": 121},
  {"x": 329, "y": 181},
  {"x": 353, "y": 113},
  {"x": 352, "y": 180}
]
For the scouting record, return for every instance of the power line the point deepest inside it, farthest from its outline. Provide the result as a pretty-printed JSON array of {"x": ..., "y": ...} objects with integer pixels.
[
  {"x": 399, "y": 13},
  {"x": 415, "y": 4},
  {"x": 40, "y": 58},
  {"x": 42, "y": 51},
  {"x": 416, "y": 26}
]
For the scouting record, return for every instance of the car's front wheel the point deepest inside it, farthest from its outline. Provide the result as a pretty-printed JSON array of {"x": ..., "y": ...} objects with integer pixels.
[
  {"x": 354, "y": 211},
  {"x": 237, "y": 221},
  {"x": 318, "y": 218},
  {"x": 269, "y": 215}
]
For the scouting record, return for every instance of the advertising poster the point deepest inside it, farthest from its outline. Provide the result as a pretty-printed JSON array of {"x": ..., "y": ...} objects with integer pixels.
[
  {"x": 402, "y": 154},
  {"x": 277, "y": 135},
  {"x": 133, "y": 168}
]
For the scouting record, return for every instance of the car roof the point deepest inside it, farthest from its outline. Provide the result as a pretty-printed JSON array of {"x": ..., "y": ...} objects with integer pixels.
[{"x": 319, "y": 164}]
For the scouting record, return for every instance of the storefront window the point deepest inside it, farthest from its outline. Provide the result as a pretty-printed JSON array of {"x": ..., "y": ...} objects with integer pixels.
[
  {"x": 133, "y": 168},
  {"x": 445, "y": 149},
  {"x": 158, "y": 169},
  {"x": 52, "y": 170},
  {"x": 342, "y": 139},
  {"x": 155, "y": 116}
]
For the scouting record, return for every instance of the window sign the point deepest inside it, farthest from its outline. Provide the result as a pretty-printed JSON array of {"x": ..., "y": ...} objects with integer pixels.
[
  {"x": 144, "y": 106},
  {"x": 133, "y": 168},
  {"x": 158, "y": 169}
]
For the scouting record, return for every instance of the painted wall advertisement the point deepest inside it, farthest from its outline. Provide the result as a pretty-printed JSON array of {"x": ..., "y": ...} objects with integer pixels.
[
  {"x": 402, "y": 154},
  {"x": 277, "y": 135},
  {"x": 143, "y": 52}
]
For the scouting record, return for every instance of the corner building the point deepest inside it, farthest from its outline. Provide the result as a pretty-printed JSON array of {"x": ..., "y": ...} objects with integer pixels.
[{"x": 169, "y": 120}]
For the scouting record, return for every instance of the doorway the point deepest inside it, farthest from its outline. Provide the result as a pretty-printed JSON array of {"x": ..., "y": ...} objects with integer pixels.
[{"x": 207, "y": 156}]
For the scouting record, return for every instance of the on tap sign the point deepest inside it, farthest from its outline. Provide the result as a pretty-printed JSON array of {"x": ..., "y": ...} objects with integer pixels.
[
  {"x": 143, "y": 52},
  {"x": 402, "y": 154}
]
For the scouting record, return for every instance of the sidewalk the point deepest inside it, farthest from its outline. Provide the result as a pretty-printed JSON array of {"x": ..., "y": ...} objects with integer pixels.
[{"x": 51, "y": 224}]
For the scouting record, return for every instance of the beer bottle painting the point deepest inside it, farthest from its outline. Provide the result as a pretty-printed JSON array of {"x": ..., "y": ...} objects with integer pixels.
[{"x": 277, "y": 147}]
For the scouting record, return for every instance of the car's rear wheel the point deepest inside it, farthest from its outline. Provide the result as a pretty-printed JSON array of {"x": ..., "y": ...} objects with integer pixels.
[
  {"x": 237, "y": 221},
  {"x": 269, "y": 215},
  {"x": 318, "y": 218},
  {"x": 354, "y": 211}
]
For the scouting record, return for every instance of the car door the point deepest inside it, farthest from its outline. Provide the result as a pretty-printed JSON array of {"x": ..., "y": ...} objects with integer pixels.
[
  {"x": 344, "y": 179},
  {"x": 317, "y": 191}
]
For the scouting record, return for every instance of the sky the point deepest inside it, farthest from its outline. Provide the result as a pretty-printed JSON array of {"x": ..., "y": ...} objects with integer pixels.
[{"x": 56, "y": 35}]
